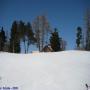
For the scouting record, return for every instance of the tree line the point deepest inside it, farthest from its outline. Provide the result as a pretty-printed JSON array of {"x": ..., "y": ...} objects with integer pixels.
[
  {"x": 83, "y": 39},
  {"x": 22, "y": 33}
]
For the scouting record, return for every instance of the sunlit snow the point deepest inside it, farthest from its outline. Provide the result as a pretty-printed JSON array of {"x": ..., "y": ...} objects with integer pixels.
[{"x": 66, "y": 70}]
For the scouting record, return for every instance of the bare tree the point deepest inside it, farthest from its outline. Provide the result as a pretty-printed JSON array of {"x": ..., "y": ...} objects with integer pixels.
[{"x": 41, "y": 28}]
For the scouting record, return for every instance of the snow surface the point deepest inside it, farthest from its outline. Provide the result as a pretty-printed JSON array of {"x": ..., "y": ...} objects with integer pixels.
[{"x": 66, "y": 70}]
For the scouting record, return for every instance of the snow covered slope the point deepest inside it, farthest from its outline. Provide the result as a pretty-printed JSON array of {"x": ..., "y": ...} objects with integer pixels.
[{"x": 67, "y": 70}]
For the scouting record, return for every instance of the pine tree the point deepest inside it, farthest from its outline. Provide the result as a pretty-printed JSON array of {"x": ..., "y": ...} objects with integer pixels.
[
  {"x": 30, "y": 35},
  {"x": 55, "y": 41},
  {"x": 26, "y": 35},
  {"x": 14, "y": 40},
  {"x": 79, "y": 37},
  {"x": 88, "y": 31},
  {"x": 23, "y": 36},
  {"x": 2, "y": 39}
]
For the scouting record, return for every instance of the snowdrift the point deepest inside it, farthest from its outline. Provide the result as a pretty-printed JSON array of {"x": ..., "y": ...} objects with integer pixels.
[{"x": 67, "y": 70}]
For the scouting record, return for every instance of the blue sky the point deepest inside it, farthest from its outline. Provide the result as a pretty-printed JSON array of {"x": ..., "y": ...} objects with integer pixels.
[{"x": 65, "y": 15}]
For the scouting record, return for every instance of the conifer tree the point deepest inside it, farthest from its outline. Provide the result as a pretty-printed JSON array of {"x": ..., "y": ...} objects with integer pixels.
[
  {"x": 30, "y": 35},
  {"x": 26, "y": 35},
  {"x": 14, "y": 40},
  {"x": 22, "y": 33},
  {"x": 79, "y": 37},
  {"x": 2, "y": 39},
  {"x": 55, "y": 41},
  {"x": 88, "y": 31}
]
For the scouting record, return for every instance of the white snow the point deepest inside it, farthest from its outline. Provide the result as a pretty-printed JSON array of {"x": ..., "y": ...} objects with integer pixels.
[{"x": 66, "y": 70}]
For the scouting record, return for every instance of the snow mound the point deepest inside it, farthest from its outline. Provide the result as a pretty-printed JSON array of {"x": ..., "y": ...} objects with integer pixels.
[{"x": 66, "y": 70}]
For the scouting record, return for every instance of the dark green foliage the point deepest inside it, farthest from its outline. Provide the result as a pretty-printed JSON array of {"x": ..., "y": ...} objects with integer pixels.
[
  {"x": 55, "y": 41},
  {"x": 14, "y": 40},
  {"x": 79, "y": 37},
  {"x": 29, "y": 35},
  {"x": 26, "y": 35},
  {"x": 87, "y": 46},
  {"x": 2, "y": 39},
  {"x": 22, "y": 33},
  {"x": 88, "y": 40},
  {"x": 22, "y": 30}
]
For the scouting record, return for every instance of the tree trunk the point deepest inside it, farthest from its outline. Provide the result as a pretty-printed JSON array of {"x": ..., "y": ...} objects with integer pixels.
[{"x": 24, "y": 45}]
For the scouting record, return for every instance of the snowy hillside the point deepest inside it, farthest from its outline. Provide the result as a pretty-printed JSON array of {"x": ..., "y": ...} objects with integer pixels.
[{"x": 67, "y": 70}]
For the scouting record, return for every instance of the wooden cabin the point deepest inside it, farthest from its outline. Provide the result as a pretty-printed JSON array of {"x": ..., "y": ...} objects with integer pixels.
[{"x": 47, "y": 48}]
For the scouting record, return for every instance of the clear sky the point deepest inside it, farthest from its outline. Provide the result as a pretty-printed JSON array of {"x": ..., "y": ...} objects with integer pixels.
[{"x": 65, "y": 15}]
